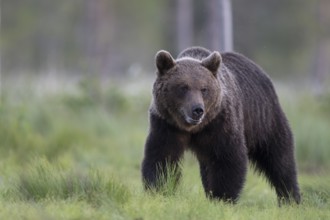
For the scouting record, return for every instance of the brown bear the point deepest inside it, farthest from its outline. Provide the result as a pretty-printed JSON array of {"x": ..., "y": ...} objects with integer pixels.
[{"x": 223, "y": 107}]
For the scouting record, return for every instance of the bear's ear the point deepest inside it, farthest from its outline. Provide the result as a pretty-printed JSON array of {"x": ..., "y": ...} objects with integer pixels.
[
  {"x": 164, "y": 61},
  {"x": 212, "y": 62}
]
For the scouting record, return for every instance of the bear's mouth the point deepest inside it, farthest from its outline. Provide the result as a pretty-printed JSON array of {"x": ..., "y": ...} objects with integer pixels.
[{"x": 192, "y": 121}]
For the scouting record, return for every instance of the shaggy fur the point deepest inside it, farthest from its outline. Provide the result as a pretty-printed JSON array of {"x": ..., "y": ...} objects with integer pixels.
[{"x": 224, "y": 108}]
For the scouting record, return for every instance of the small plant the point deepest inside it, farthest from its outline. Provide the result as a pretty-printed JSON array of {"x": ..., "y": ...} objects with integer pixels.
[
  {"x": 168, "y": 179},
  {"x": 43, "y": 181}
]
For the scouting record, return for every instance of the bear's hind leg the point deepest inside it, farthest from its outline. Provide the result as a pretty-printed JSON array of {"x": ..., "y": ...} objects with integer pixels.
[{"x": 276, "y": 161}]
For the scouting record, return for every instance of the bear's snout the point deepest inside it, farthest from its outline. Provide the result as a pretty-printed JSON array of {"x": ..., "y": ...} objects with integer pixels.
[
  {"x": 194, "y": 115},
  {"x": 197, "y": 112}
]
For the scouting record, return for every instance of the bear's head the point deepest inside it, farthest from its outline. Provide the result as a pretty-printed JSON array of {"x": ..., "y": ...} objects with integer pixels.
[{"x": 187, "y": 90}]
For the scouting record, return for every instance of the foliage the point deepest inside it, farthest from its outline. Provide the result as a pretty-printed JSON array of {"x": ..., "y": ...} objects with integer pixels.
[
  {"x": 93, "y": 198},
  {"x": 309, "y": 119},
  {"x": 43, "y": 180}
]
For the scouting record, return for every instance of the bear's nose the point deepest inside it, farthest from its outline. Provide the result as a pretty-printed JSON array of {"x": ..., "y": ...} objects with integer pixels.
[{"x": 198, "y": 111}]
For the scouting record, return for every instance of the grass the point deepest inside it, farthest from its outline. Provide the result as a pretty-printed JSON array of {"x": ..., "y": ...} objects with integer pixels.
[
  {"x": 47, "y": 191},
  {"x": 309, "y": 117},
  {"x": 43, "y": 180},
  {"x": 77, "y": 155}
]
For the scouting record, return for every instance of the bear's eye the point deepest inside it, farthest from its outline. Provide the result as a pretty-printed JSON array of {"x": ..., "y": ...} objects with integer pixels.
[
  {"x": 204, "y": 91},
  {"x": 183, "y": 89}
]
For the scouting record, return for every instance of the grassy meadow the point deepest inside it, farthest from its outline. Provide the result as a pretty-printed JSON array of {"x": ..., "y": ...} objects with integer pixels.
[{"x": 74, "y": 153}]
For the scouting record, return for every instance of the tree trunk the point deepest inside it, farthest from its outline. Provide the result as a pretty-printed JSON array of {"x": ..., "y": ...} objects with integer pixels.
[
  {"x": 227, "y": 19},
  {"x": 184, "y": 24},
  {"x": 98, "y": 32},
  {"x": 321, "y": 67},
  {"x": 220, "y": 25}
]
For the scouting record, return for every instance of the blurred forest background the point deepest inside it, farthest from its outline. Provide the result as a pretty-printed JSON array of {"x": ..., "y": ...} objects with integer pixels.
[{"x": 106, "y": 38}]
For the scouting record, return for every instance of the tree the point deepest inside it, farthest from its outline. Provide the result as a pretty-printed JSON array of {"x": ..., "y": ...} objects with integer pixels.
[
  {"x": 184, "y": 24},
  {"x": 98, "y": 32},
  {"x": 321, "y": 66},
  {"x": 220, "y": 25}
]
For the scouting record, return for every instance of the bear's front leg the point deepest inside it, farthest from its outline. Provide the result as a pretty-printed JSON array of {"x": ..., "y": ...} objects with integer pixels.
[
  {"x": 163, "y": 151},
  {"x": 226, "y": 179},
  {"x": 223, "y": 174}
]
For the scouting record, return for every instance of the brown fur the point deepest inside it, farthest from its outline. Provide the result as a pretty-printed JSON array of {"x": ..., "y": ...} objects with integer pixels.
[{"x": 224, "y": 108}]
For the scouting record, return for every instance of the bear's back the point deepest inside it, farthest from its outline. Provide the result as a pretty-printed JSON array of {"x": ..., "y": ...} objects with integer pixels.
[
  {"x": 261, "y": 109},
  {"x": 249, "y": 76},
  {"x": 198, "y": 53}
]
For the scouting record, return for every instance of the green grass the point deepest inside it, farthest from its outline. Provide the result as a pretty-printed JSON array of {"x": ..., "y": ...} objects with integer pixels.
[
  {"x": 77, "y": 155},
  {"x": 43, "y": 181},
  {"x": 47, "y": 191},
  {"x": 309, "y": 117}
]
